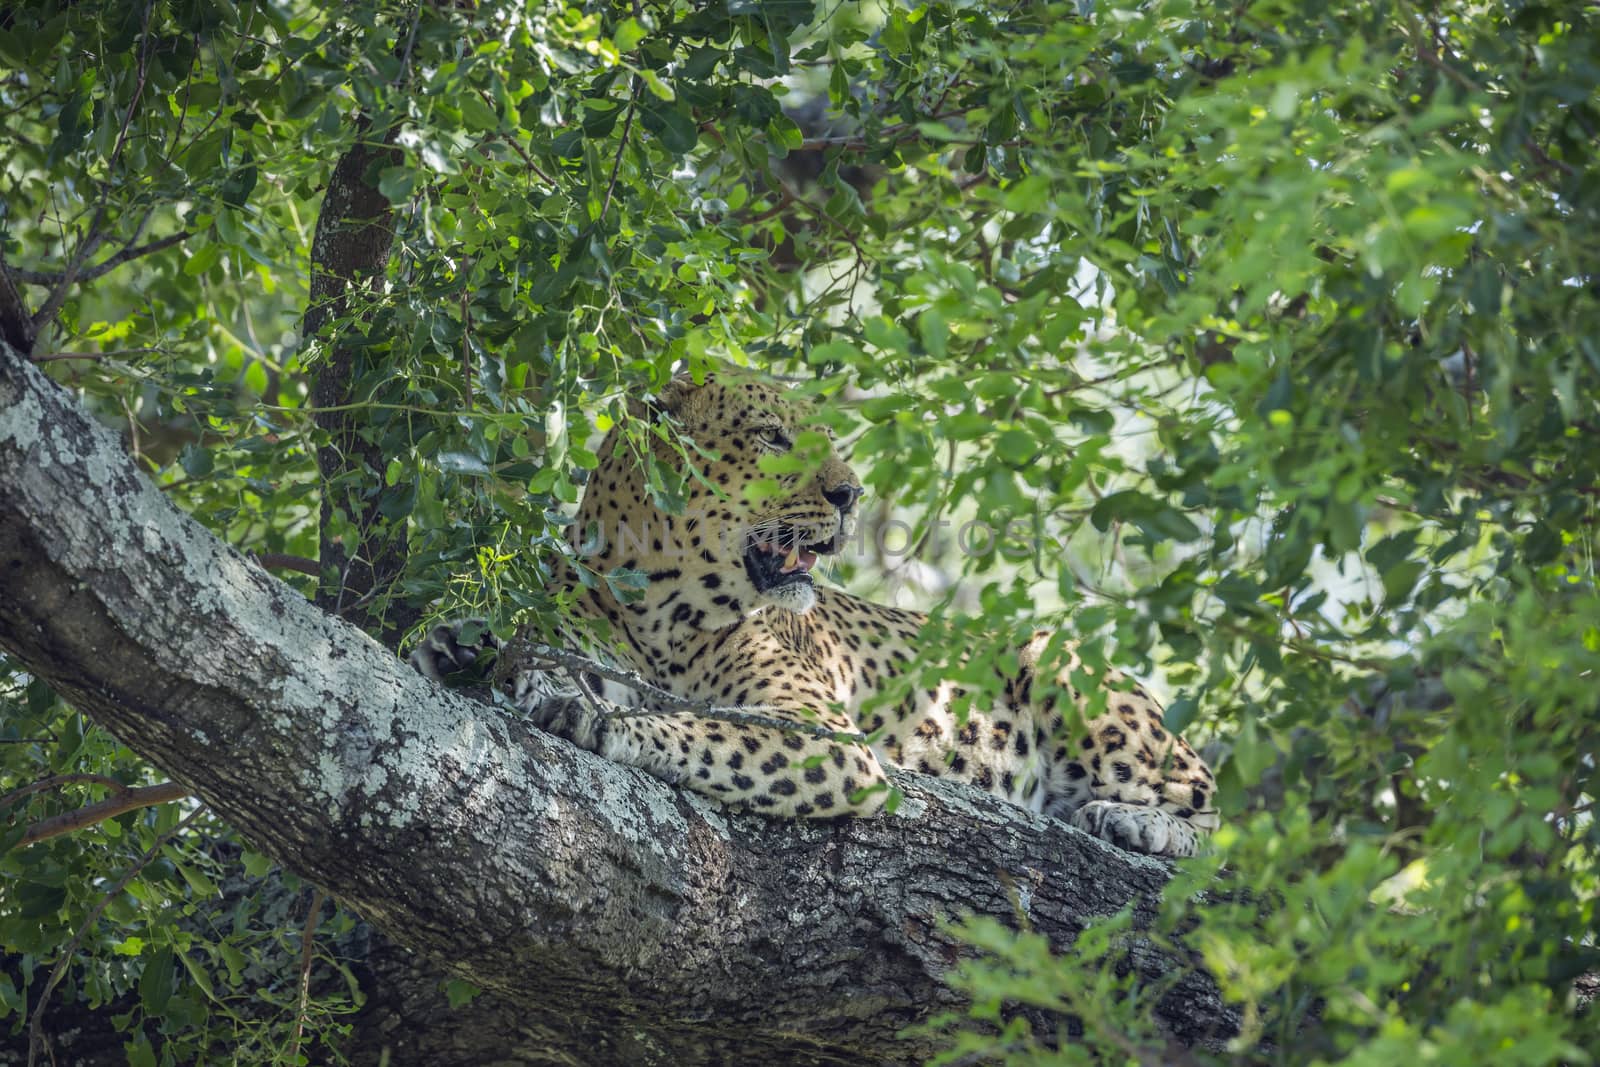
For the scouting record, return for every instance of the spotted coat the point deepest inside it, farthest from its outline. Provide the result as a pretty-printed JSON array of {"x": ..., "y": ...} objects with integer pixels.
[{"x": 732, "y": 616}]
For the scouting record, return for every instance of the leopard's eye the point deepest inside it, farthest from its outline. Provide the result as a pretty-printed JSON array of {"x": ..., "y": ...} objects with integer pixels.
[{"x": 774, "y": 438}]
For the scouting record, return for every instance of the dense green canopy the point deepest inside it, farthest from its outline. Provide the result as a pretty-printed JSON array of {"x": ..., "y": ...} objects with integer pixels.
[{"x": 1267, "y": 334}]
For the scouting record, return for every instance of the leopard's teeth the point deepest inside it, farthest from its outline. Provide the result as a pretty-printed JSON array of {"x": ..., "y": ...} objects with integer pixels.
[{"x": 791, "y": 560}]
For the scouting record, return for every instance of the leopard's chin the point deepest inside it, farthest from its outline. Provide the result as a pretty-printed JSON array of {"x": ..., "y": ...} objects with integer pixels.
[{"x": 798, "y": 597}]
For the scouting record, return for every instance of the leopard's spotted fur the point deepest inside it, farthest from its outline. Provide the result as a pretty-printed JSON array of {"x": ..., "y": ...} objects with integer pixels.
[{"x": 708, "y": 627}]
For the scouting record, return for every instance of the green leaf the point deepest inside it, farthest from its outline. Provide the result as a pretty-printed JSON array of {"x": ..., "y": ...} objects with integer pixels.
[
  {"x": 477, "y": 115},
  {"x": 255, "y": 864},
  {"x": 1400, "y": 579},
  {"x": 673, "y": 125},
  {"x": 933, "y": 331},
  {"x": 196, "y": 461},
  {"x": 139, "y": 1051},
  {"x": 1180, "y": 713},
  {"x": 157, "y": 982},
  {"x": 203, "y": 886},
  {"x": 236, "y": 190},
  {"x": 396, "y": 183},
  {"x": 198, "y": 974},
  {"x": 1016, "y": 447},
  {"x": 656, "y": 85},
  {"x": 628, "y": 34}
]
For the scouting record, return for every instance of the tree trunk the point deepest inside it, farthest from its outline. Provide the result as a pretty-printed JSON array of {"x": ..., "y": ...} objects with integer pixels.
[
  {"x": 617, "y": 920},
  {"x": 349, "y": 254}
]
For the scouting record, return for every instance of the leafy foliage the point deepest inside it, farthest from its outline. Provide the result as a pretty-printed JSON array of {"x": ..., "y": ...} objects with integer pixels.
[{"x": 1264, "y": 337}]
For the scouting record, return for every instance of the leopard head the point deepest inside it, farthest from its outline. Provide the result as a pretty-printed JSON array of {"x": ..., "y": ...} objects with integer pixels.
[{"x": 739, "y": 544}]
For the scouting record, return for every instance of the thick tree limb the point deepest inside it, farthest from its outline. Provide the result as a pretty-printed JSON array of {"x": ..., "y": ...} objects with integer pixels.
[{"x": 621, "y": 920}]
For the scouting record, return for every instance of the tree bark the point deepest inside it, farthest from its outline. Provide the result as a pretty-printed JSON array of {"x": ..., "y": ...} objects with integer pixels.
[
  {"x": 349, "y": 257},
  {"x": 612, "y": 918}
]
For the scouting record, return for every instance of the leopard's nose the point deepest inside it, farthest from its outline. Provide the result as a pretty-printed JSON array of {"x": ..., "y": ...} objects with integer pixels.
[{"x": 843, "y": 496}]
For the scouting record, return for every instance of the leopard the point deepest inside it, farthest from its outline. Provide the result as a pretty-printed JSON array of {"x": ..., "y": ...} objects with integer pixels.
[{"x": 731, "y": 616}]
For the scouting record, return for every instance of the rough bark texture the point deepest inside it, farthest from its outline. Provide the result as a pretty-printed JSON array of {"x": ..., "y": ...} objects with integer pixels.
[
  {"x": 349, "y": 258},
  {"x": 618, "y": 920}
]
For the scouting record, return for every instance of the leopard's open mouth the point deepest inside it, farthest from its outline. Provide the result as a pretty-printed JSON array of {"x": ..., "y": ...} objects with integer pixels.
[{"x": 774, "y": 558}]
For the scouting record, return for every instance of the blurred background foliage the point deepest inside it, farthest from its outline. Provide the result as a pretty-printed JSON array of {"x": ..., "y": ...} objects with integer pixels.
[{"x": 1263, "y": 334}]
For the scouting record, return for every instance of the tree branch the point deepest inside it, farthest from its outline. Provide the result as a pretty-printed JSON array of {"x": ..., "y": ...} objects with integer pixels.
[
  {"x": 127, "y": 800},
  {"x": 308, "y": 946},
  {"x": 622, "y": 146},
  {"x": 629, "y": 922},
  {"x": 105, "y": 266},
  {"x": 58, "y": 780}
]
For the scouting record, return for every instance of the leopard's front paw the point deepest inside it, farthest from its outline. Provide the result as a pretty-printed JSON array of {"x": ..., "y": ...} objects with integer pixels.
[
  {"x": 1136, "y": 828},
  {"x": 571, "y": 717},
  {"x": 453, "y": 647}
]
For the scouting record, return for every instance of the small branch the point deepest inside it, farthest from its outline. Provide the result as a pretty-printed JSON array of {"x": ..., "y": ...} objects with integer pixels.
[
  {"x": 94, "y": 237},
  {"x": 127, "y": 800},
  {"x": 887, "y": 137},
  {"x": 622, "y": 146},
  {"x": 36, "y": 1039},
  {"x": 284, "y": 562},
  {"x": 51, "y": 356},
  {"x": 307, "y": 944},
  {"x": 527, "y": 159},
  {"x": 61, "y": 779},
  {"x": 466, "y": 342},
  {"x": 665, "y": 703},
  {"x": 411, "y": 40},
  {"x": 89, "y": 274}
]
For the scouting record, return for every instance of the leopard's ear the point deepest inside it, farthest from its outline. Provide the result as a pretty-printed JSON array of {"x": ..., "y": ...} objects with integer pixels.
[
  {"x": 669, "y": 400},
  {"x": 674, "y": 397},
  {"x": 681, "y": 397}
]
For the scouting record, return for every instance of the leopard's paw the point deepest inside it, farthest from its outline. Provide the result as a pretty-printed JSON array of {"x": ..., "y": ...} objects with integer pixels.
[
  {"x": 572, "y": 717},
  {"x": 1137, "y": 828},
  {"x": 453, "y": 647}
]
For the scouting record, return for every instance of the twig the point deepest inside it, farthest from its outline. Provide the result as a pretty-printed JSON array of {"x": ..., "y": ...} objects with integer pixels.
[
  {"x": 664, "y": 702},
  {"x": 133, "y": 430},
  {"x": 466, "y": 342},
  {"x": 411, "y": 40},
  {"x": 36, "y": 1039},
  {"x": 94, "y": 237},
  {"x": 89, "y": 274},
  {"x": 622, "y": 146},
  {"x": 125, "y": 800},
  {"x": 48, "y": 739},
  {"x": 307, "y": 944},
  {"x": 61, "y": 779},
  {"x": 49, "y": 356},
  {"x": 526, "y": 158}
]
